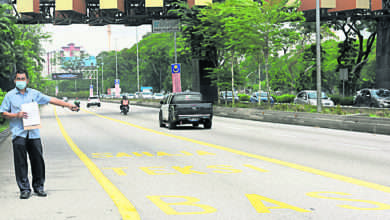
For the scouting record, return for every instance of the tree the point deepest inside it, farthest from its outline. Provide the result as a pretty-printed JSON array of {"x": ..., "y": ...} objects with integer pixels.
[
  {"x": 354, "y": 51},
  {"x": 276, "y": 26}
]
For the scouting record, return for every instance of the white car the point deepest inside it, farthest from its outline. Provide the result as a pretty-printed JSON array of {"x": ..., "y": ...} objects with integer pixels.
[
  {"x": 147, "y": 95},
  {"x": 309, "y": 97},
  {"x": 93, "y": 100},
  {"x": 158, "y": 96}
]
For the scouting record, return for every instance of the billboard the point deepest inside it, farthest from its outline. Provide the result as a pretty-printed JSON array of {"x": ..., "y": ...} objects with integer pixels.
[{"x": 66, "y": 76}]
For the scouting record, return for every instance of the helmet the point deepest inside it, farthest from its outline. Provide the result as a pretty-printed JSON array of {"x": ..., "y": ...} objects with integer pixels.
[{"x": 124, "y": 97}]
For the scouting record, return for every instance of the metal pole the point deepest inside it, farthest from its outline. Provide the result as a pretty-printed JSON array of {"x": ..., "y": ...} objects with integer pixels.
[
  {"x": 343, "y": 87},
  {"x": 116, "y": 60},
  {"x": 136, "y": 36},
  {"x": 97, "y": 82},
  {"x": 318, "y": 42},
  {"x": 102, "y": 77},
  {"x": 175, "y": 49}
]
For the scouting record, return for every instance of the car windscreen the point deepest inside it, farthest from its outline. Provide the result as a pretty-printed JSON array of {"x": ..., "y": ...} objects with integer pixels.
[
  {"x": 313, "y": 95},
  {"x": 147, "y": 93},
  {"x": 186, "y": 98},
  {"x": 93, "y": 97}
]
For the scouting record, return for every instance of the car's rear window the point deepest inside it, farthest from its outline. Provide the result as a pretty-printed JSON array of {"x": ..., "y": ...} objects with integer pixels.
[
  {"x": 93, "y": 97},
  {"x": 186, "y": 98}
]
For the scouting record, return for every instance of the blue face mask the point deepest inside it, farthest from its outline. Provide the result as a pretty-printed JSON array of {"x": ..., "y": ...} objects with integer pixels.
[{"x": 21, "y": 84}]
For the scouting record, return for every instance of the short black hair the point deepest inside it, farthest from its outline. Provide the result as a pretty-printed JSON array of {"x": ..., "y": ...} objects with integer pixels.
[{"x": 21, "y": 71}]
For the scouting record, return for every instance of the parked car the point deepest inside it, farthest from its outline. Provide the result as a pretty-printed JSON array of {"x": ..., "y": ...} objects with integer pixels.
[
  {"x": 309, "y": 97},
  {"x": 263, "y": 98},
  {"x": 146, "y": 95},
  {"x": 93, "y": 100},
  {"x": 131, "y": 96},
  {"x": 373, "y": 98},
  {"x": 137, "y": 95},
  {"x": 158, "y": 96},
  {"x": 185, "y": 108},
  {"x": 227, "y": 97}
]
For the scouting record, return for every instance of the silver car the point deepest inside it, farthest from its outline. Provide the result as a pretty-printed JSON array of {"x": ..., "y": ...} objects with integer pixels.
[{"x": 309, "y": 97}]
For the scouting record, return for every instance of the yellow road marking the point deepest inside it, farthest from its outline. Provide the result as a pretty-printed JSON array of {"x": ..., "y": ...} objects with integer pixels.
[
  {"x": 268, "y": 159},
  {"x": 126, "y": 209}
]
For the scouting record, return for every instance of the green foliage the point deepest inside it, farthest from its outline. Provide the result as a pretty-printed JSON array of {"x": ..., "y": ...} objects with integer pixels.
[
  {"x": 20, "y": 48},
  {"x": 286, "y": 98},
  {"x": 244, "y": 97},
  {"x": 80, "y": 94},
  {"x": 2, "y": 120},
  {"x": 340, "y": 100}
]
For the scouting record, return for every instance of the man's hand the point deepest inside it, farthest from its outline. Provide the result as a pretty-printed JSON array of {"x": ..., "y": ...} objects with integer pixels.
[
  {"x": 73, "y": 108},
  {"x": 22, "y": 115}
]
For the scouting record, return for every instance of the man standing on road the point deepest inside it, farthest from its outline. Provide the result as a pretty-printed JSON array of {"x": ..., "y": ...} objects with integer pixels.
[{"x": 27, "y": 141}]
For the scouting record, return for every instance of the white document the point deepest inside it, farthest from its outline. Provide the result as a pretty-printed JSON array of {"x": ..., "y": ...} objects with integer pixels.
[{"x": 33, "y": 118}]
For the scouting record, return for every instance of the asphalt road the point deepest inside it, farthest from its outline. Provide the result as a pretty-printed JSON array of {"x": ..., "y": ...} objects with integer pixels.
[{"x": 104, "y": 165}]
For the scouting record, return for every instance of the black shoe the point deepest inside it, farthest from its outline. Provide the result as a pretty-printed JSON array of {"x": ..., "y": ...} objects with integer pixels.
[
  {"x": 41, "y": 193},
  {"x": 25, "y": 195}
]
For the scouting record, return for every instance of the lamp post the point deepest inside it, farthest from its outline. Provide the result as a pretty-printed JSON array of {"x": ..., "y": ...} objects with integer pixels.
[
  {"x": 102, "y": 63},
  {"x": 136, "y": 36},
  {"x": 318, "y": 42}
]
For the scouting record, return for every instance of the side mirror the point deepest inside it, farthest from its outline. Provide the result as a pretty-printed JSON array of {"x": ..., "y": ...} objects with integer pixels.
[
  {"x": 305, "y": 98},
  {"x": 161, "y": 102}
]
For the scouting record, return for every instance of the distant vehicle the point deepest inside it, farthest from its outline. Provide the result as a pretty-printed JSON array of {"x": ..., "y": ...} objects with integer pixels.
[
  {"x": 309, "y": 97},
  {"x": 147, "y": 95},
  {"x": 185, "y": 108},
  {"x": 158, "y": 96},
  {"x": 131, "y": 96},
  {"x": 65, "y": 99},
  {"x": 93, "y": 100},
  {"x": 373, "y": 98},
  {"x": 227, "y": 97},
  {"x": 263, "y": 98},
  {"x": 137, "y": 95}
]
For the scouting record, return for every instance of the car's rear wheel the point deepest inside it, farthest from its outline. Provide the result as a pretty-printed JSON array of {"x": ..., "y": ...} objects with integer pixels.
[
  {"x": 98, "y": 105},
  {"x": 160, "y": 120},
  {"x": 87, "y": 105},
  {"x": 171, "y": 123},
  {"x": 207, "y": 124}
]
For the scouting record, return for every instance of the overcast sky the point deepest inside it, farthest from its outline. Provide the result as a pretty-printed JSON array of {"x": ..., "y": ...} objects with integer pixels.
[{"x": 93, "y": 39}]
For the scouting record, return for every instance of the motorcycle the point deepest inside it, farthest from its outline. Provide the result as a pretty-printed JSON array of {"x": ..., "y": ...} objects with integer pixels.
[{"x": 125, "y": 109}]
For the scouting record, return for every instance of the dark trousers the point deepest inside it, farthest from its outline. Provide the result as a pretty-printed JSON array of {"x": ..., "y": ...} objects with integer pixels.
[{"x": 32, "y": 147}]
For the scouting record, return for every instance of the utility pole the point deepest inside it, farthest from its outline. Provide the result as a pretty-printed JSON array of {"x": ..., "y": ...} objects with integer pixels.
[
  {"x": 318, "y": 42},
  {"x": 136, "y": 36}
]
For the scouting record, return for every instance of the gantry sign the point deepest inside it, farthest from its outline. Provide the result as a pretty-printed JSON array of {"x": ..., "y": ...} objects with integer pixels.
[{"x": 138, "y": 12}]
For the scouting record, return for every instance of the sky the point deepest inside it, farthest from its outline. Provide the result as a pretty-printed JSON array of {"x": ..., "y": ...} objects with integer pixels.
[{"x": 93, "y": 39}]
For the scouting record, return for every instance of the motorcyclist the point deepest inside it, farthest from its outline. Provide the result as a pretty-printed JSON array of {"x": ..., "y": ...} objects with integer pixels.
[
  {"x": 124, "y": 102},
  {"x": 77, "y": 102}
]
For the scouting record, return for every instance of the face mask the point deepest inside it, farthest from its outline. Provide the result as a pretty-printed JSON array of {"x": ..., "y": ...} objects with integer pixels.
[{"x": 21, "y": 84}]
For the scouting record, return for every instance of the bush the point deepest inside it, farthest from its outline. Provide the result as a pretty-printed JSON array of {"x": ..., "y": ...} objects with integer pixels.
[
  {"x": 286, "y": 98},
  {"x": 244, "y": 97},
  {"x": 339, "y": 100}
]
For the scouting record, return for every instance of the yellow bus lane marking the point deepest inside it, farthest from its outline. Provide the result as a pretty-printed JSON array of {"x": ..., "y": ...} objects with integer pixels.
[
  {"x": 263, "y": 158},
  {"x": 126, "y": 209}
]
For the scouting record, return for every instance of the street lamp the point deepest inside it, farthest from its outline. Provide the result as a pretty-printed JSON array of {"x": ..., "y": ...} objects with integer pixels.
[
  {"x": 136, "y": 36},
  {"x": 102, "y": 63},
  {"x": 318, "y": 42}
]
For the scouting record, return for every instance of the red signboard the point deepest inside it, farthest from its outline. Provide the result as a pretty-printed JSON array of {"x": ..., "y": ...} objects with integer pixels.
[
  {"x": 307, "y": 5},
  {"x": 376, "y": 5},
  {"x": 351, "y": 5}
]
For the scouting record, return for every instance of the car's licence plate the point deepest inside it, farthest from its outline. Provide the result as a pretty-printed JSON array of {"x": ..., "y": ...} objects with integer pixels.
[{"x": 194, "y": 119}]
